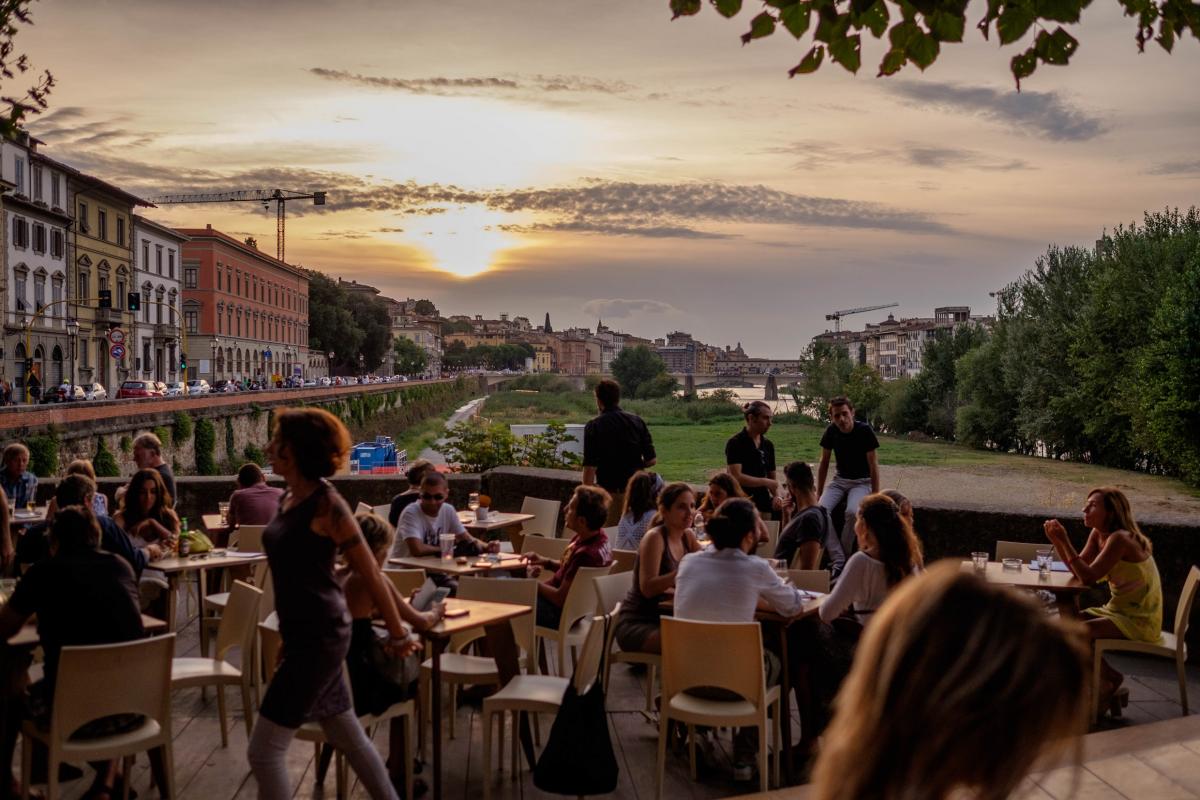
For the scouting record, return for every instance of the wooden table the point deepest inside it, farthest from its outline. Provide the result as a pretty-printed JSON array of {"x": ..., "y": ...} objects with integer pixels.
[
  {"x": 497, "y": 520},
  {"x": 28, "y": 635},
  {"x": 212, "y": 522},
  {"x": 495, "y": 617},
  {"x": 24, "y": 517},
  {"x": 1026, "y": 578},
  {"x": 448, "y": 566},
  {"x": 175, "y": 567}
]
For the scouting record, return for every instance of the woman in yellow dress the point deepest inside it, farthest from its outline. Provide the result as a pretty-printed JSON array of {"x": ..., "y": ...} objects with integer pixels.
[{"x": 1119, "y": 553}]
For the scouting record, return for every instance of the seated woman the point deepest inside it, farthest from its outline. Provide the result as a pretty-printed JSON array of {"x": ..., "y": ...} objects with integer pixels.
[
  {"x": 81, "y": 466},
  {"x": 585, "y": 514},
  {"x": 722, "y": 487},
  {"x": 810, "y": 533},
  {"x": 640, "y": 500},
  {"x": 902, "y": 502},
  {"x": 415, "y": 473},
  {"x": 1118, "y": 553},
  {"x": 146, "y": 514},
  {"x": 654, "y": 570},
  {"x": 944, "y": 646}
]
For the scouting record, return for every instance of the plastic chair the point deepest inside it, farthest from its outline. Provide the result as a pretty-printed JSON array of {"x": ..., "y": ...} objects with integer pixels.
[
  {"x": 812, "y": 580},
  {"x": 578, "y": 608},
  {"x": 687, "y": 663},
  {"x": 623, "y": 560},
  {"x": 363, "y": 508},
  {"x": 796, "y": 558},
  {"x": 406, "y": 581},
  {"x": 383, "y": 510},
  {"x": 611, "y": 532},
  {"x": 459, "y": 668},
  {"x": 135, "y": 678},
  {"x": 767, "y": 548},
  {"x": 536, "y": 694},
  {"x": 247, "y": 538},
  {"x": 1025, "y": 551},
  {"x": 236, "y": 630},
  {"x": 545, "y": 519},
  {"x": 611, "y": 589},
  {"x": 1171, "y": 645},
  {"x": 544, "y": 547}
]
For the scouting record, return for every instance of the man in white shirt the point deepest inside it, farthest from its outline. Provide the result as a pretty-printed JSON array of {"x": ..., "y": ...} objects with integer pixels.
[{"x": 422, "y": 524}]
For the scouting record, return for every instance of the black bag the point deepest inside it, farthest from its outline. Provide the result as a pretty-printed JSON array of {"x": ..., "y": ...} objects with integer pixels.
[{"x": 579, "y": 758}]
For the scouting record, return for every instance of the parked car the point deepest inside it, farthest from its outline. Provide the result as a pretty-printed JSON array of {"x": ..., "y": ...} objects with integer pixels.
[
  {"x": 326, "y": 382},
  {"x": 311, "y": 382},
  {"x": 64, "y": 394},
  {"x": 138, "y": 389},
  {"x": 225, "y": 386},
  {"x": 160, "y": 387},
  {"x": 94, "y": 391},
  {"x": 198, "y": 386},
  {"x": 176, "y": 389}
]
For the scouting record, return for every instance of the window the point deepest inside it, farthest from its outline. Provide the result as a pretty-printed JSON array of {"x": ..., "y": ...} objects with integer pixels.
[
  {"x": 19, "y": 175},
  {"x": 39, "y": 237},
  {"x": 189, "y": 278},
  {"x": 120, "y": 230},
  {"x": 170, "y": 263},
  {"x": 85, "y": 287},
  {"x": 239, "y": 283},
  {"x": 191, "y": 319},
  {"x": 103, "y": 283},
  {"x": 56, "y": 244},
  {"x": 20, "y": 291},
  {"x": 119, "y": 300},
  {"x": 158, "y": 258},
  {"x": 55, "y": 190},
  {"x": 20, "y": 234},
  {"x": 146, "y": 304},
  {"x": 83, "y": 217},
  {"x": 102, "y": 224},
  {"x": 159, "y": 306},
  {"x": 56, "y": 290},
  {"x": 35, "y": 178},
  {"x": 39, "y": 292},
  {"x": 146, "y": 354},
  {"x": 145, "y": 255}
]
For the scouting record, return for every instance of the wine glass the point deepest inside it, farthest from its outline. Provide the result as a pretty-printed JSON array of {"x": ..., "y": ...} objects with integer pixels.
[{"x": 473, "y": 502}]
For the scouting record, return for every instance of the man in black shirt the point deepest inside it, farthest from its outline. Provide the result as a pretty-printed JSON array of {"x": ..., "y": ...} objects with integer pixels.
[
  {"x": 853, "y": 443},
  {"x": 616, "y": 444},
  {"x": 750, "y": 458}
]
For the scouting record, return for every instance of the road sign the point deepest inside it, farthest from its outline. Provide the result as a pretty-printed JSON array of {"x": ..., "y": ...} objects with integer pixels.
[
  {"x": 116, "y": 336},
  {"x": 117, "y": 351}
]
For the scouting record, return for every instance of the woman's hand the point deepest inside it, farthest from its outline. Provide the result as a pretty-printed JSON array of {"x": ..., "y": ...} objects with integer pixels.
[
  {"x": 403, "y": 646},
  {"x": 1055, "y": 531},
  {"x": 435, "y": 614}
]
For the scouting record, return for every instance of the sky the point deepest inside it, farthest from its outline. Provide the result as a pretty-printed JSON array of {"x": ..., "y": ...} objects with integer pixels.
[{"x": 600, "y": 161}]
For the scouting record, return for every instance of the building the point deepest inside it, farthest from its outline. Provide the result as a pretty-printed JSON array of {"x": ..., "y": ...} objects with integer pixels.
[
  {"x": 425, "y": 334},
  {"x": 678, "y": 352},
  {"x": 155, "y": 341},
  {"x": 895, "y": 347},
  {"x": 245, "y": 313}
]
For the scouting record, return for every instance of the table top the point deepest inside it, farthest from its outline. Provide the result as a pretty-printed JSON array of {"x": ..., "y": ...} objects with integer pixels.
[
  {"x": 212, "y": 522},
  {"x": 448, "y": 566},
  {"x": 809, "y": 607},
  {"x": 28, "y": 635},
  {"x": 1027, "y": 578},
  {"x": 213, "y": 560},
  {"x": 495, "y": 521},
  {"x": 24, "y": 517},
  {"x": 482, "y": 612}
]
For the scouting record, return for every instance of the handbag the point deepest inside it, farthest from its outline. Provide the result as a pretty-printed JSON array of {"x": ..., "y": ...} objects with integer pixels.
[{"x": 578, "y": 758}]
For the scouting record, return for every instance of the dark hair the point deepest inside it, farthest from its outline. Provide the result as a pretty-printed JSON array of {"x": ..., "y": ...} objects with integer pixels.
[
  {"x": 416, "y": 470},
  {"x": 81, "y": 466},
  {"x": 318, "y": 440},
  {"x": 250, "y": 474},
  {"x": 896, "y": 497},
  {"x": 899, "y": 548},
  {"x": 75, "y": 528},
  {"x": 131, "y": 510},
  {"x": 608, "y": 392},
  {"x": 433, "y": 476},
  {"x": 591, "y": 503},
  {"x": 74, "y": 490},
  {"x": 376, "y": 531},
  {"x": 754, "y": 407},
  {"x": 639, "y": 494},
  {"x": 667, "y": 497},
  {"x": 800, "y": 474},
  {"x": 731, "y": 522},
  {"x": 725, "y": 482},
  {"x": 840, "y": 400}
]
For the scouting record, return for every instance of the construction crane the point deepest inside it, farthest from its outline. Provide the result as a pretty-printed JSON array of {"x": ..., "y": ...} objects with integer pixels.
[
  {"x": 836, "y": 316},
  {"x": 280, "y": 197}
]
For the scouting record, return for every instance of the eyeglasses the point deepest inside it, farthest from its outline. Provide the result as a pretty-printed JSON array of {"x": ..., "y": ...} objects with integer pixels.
[{"x": 427, "y": 496}]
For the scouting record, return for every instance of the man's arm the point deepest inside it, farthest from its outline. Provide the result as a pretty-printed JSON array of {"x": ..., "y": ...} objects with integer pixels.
[
  {"x": 590, "y": 456},
  {"x": 822, "y": 471},
  {"x": 873, "y": 463},
  {"x": 11, "y": 621},
  {"x": 748, "y": 481}
]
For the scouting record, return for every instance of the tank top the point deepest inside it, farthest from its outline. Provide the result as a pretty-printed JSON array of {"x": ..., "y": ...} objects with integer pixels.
[{"x": 637, "y": 605}]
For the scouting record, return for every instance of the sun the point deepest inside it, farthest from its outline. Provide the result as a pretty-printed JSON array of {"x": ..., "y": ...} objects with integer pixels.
[{"x": 461, "y": 241}]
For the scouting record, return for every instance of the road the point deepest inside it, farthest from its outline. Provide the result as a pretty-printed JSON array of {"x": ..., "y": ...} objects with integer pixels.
[{"x": 461, "y": 414}]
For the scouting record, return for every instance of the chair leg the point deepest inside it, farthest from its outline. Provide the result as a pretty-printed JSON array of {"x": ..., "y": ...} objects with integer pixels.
[
  {"x": 339, "y": 776},
  {"x": 691, "y": 736},
  {"x": 425, "y": 703},
  {"x": 562, "y": 657},
  {"x": 452, "y": 708},
  {"x": 650, "y": 670},
  {"x": 500, "y": 745},
  {"x": 661, "y": 763},
  {"x": 487, "y": 752},
  {"x": 408, "y": 756},
  {"x": 167, "y": 787},
  {"x": 221, "y": 714},
  {"x": 763, "y": 776},
  {"x": 247, "y": 708},
  {"x": 516, "y": 759},
  {"x": 52, "y": 778},
  {"x": 1095, "y": 693},
  {"x": 779, "y": 754},
  {"x": 1181, "y": 671},
  {"x": 537, "y": 728},
  {"x": 26, "y": 765}
]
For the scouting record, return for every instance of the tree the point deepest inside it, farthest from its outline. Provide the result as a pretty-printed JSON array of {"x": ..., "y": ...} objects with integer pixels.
[
  {"x": 826, "y": 370},
  {"x": 410, "y": 357},
  {"x": 331, "y": 326},
  {"x": 917, "y": 29},
  {"x": 634, "y": 366},
  {"x": 13, "y": 14},
  {"x": 425, "y": 308},
  {"x": 372, "y": 318},
  {"x": 864, "y": 387}
]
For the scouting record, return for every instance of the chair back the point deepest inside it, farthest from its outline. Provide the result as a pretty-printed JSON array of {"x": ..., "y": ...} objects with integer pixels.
[
  {"x": 383, "y": 510},
  {"x": 767, "y": 548},
  {"x": 518, "y": 591},
  {"x": 623, "y": 560},
  {"x": 266, "y": 605},
  {"x": 545, "y": 516},
  {"x": 1026, "y": 551},
  {"x": 587, "y": 668},
  {"x": 247, "y": 538},
  {"x": 362, "y": 508},
  {"x": 581, "y": 597},
  {"x": 271, "y": 642},
  {"x": 687, "y": 662},
  {"x": 544, "y": 547},
  {"x": 612, "y": 589},
  {"x": 236, "y": 628},
  {"x": 97, "y": 681},
  {"x": 406, "y": 581},
  {"x": 611, "y": 532},
  {"x": 812, "y": 580},
  {"x": 796, "y": 558},
  {"x": 1183, "y": 611}
]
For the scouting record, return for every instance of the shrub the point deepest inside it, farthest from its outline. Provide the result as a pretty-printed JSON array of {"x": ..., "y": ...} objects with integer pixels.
[
  {"x": 255, "y": 412},
  {"x": 542, "y": 449},
  {"x": 104, "y": 462},
  {"x": 206, "y": 440},
  {"x": 43, "y": 454},
  {"x": 230, "y": 445},
  {"x": 183, "y": 428},
  {"x": 126, "y": 445},
  {"x": 253, "y": 452},
  {"x": 164, "y": 434},
  {"x": 477, "y": 447}
]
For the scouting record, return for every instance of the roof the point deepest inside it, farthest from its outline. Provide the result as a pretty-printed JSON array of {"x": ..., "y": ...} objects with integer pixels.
[
  {"x": 209, "y": 232},
  {"x": 158, "y": 227},
  {"x": 97, "y": 183}
]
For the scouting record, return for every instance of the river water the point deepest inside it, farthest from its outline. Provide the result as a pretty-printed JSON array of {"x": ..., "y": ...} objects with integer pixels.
[{"x": 783, "y": 404}]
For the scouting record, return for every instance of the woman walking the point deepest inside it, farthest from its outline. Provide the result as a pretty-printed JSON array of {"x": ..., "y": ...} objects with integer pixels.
[{"x": 314, "y": 523}]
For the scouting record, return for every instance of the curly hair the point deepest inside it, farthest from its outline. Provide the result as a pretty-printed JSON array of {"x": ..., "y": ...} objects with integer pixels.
[{"x": 319, "y": 442}]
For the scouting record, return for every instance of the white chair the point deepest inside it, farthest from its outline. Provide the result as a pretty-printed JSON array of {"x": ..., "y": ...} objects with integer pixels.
[
  {"x": 545, "y": 516},
  {"x": 99, "y": 681},
  {"x": 687, "y": 663},
  {"x": 623, "y": 560},
  {"x": 544, "y": 547},
  {"x": 247, "y": 538},
  {"x": 812, "y": 580},
  {"x": 611, "y": 532},
  {"x": 236, "y": 630},
  {"x": 363, "y": 508},
  {"x": 576, "y": 614},
  {"x": 536, "y": 694},
  {"x": 767, "y": 548},
  {"x": 611, "y": 589},
  {"x": 1171, "y": 645},
  {"x": 1025, "y": 551},
  {"x": 406, "y": 581},
  {"x": 383, "y": 510}
]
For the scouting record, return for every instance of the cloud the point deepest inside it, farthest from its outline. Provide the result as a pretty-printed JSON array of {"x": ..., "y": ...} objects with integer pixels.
[
  {"x": 617, "y": 229},
  {"x": 1176, "y": 168},
  {"x": 1045, "y": 113},
  {"x": 956, "y": 157},
  {"x": 818, "y": 154},
  {"x": 476, "y": 85},
  {"x": 622, "y": 309}
]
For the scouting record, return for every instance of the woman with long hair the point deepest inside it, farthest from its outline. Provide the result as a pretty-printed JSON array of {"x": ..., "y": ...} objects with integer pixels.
[
  {"x": 654, "y": 569},
  {"x": 1118, "y": 553},
  {"x": 313, "y": 525},
  {"x": 722, "y": 487},
  {"x": 147, "y": 511},
  {"x": 640, "y": 500},
  {"x": 946, "y": 650}
]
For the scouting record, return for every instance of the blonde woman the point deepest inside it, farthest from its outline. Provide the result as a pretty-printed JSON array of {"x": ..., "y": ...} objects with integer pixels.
[
  {"x": 1118, "y": 553},
  {"x": 946, "y": 652}
]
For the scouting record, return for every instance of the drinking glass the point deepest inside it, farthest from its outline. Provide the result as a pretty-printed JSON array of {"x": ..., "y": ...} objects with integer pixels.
[
  {"x": 354, "y": 467},
  {"x": 1013, "y": 563},
  {"x": 1044, "y": 558},
  {"x": 980, "y": 561},
  {"x": 223, "y": 509},
  {"x": 473, "y": 501},
  {"x": 781, "y": 568},
  {"x": 447, "y": 542}
]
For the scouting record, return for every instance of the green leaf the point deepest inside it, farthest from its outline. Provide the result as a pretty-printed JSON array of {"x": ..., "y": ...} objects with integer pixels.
[
  {"x": 993, "y": 11},
  {"x": 832, "y": 25},
  {"x": 903, "y": 33},
  {"x": 812, "y": 59},
  {"x": 760, "y": 26},
  {"x": 796, "y": 18},
  {"x": 1023, "y": 65},
  {"x": 892, "y": 62},
  {"x": 875, "y": 18},
  {"x": 847, "y": 52},
  {"x": 1014, "y": 21},
  {"x": 684, "y": 8},
  {"x": 1166, "y": 36},
  {"x": 1059, "y": 10},
  {"x": 923, "y": 50},
  {"x": 946, "y": 26},
  {"x": 727, "y": 8},
  {"x": 1055, "y": 48}
]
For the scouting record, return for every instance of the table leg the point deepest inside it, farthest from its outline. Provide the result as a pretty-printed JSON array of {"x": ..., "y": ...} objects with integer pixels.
[
  {"x": 785, "y": 706},
  {"x": 435, "y": 688},
  {"x": 503, "y": 646},
  {"x": 172, "y": 602}
]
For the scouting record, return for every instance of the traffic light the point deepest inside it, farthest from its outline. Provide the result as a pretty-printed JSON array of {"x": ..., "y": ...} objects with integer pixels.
[
  {"x": 106, "y": 298},
  {"x": 183, "y": 363},
  {"x": 134, "y": 301},
  {"x": 28, "y": 365}
]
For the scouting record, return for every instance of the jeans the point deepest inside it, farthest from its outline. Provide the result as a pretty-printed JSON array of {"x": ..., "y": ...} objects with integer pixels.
[
  {"x": 548, "y": 615},
  {"x": 854, "y": 490}
]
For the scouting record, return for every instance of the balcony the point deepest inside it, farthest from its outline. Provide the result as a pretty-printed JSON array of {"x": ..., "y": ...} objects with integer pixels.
[
  {"x": 110, "y": 315},
  {"x": 167, "y": 333}
]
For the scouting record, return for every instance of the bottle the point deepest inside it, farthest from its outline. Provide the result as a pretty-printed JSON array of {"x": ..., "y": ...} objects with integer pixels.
[{"x": 185, "y": 545}]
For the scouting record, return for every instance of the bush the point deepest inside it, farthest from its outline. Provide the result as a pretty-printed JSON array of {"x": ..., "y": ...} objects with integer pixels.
[
  {"x": 104, "y": 462},
  {"x": 126, "y": 445},
  {"x": 543, "y": 382},
  {"x": 183, "y": 428},
  {"x": 206, "y": 440},
  {"x": 43, "y": 454},
  {"x": 542, "y": 449},
  {"x": 477, "y": 446},
  {"x": 253, "y": 452},
  {"x": 255, "y": 412},
  {"x": 164, "y": 434},
  {"x": 230, "y": 444}
]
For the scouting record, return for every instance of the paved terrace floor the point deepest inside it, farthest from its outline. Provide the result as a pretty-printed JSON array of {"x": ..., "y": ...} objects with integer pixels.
[{"x": 1136, "y": 760}]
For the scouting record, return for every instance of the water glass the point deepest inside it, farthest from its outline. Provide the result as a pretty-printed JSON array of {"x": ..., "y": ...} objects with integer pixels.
[
  {"x": 447, "y": 542},
  {"x": 354, "y": 467},
  {"x": 980, "y": 561},
  {"x": 1013, "y": 563},
  {"x": 473, "y": 501},
  {"x": 781, "y": 568},
  {"x": 1044, "y": 558},
  {"x": 223, "y": 510}
]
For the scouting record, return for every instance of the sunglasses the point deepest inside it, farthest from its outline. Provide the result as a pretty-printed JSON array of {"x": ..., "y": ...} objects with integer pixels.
[{"x": 427, "y": 496}]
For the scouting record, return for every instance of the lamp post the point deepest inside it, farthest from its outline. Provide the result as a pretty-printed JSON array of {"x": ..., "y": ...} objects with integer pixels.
[
  {"x": 329, "y": 366},
  {"x": 216, "y": 346},
  {"x": 360, "y": 367},
  {"x": 73, "y": 332}
]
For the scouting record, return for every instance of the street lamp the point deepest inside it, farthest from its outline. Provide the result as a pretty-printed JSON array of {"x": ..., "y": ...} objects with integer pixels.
[
  {"x": 73, "y": 332},
  {"x": 360, "y": 367},
  {"x": 329, "y": 366},
  {"x": 216, "y": 346}
]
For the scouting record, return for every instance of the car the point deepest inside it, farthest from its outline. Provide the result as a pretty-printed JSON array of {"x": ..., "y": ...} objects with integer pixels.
[
  {"x": 131, "y": 389},
  {"x": 176, "y": 389},
  {"x": 326, "y": 382},
  {"x": 311, "y": 382},
  {"x": 160, "y": 387},
  {"x": 63, "y": 394},
  {"x": 198, "y": 386},
  {"x": 225, "y": 386},
  {"x": 94, "y": 391}
]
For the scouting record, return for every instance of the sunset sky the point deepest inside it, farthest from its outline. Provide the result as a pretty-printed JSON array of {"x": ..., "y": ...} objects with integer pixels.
[{"x": 598, "y": 160}]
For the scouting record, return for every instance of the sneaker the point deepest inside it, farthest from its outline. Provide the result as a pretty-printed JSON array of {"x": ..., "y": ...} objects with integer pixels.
[{"x": 743, "y": 772}]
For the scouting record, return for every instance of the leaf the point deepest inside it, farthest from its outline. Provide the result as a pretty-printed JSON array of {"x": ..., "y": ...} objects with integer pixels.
[
  {"x": 727, "y": 8},
  {"x": 1059, "y": 10},
  {"x": 847, "y": 52},
  {"x": 875, "y": 18},
  {"x": 946, "y": 26},
  {"x": 892, "y": 62},
  {"x": 922, "y": 50},
  {"x": 796, "y": 18},
  {"x": 903, "y": 33},
  {"x": 1023, "y": 65},
  {"x": 1055, "y": 48},
  {"x": 684, "y": 8},
  {"x": 993, "y": 11},
  {"x": 832, "y": 25},
  {"x": 760, "y": 26},
  {"x": 812, "y": 59},
  {"x": 1014, "y": 21}
]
